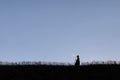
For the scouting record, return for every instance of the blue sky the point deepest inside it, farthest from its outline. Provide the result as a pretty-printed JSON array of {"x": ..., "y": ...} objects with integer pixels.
[{"x": 55, "y": 30}]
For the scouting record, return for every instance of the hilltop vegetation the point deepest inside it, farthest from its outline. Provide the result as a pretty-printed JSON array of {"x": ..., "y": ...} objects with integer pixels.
[
  {"x": 59, "y": 72},
  {"x": 109, "y": 62}
]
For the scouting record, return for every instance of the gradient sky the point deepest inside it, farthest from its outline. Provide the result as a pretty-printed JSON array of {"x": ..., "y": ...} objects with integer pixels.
[{"x": 55, "y": 30}]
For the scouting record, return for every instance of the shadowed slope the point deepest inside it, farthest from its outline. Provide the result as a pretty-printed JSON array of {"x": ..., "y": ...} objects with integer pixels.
[{"x": 46, "y": 72}]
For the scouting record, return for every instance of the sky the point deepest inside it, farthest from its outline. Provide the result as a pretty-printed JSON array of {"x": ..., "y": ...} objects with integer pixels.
[{"x": 57, "y": 30}]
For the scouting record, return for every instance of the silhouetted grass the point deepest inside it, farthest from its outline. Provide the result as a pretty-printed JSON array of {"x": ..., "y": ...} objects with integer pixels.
[{"x": 60, "y": 72}]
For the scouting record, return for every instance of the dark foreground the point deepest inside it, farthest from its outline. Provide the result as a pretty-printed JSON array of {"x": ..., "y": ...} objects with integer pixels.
[{"x": 42, "y": 72}]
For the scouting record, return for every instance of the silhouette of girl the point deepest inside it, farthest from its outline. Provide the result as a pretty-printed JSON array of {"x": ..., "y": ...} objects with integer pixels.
[{"x": 77, "y": 63}]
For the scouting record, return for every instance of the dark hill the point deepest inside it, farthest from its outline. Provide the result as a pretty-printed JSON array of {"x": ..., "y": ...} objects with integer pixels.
[{"x": 47, "y": 72}]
